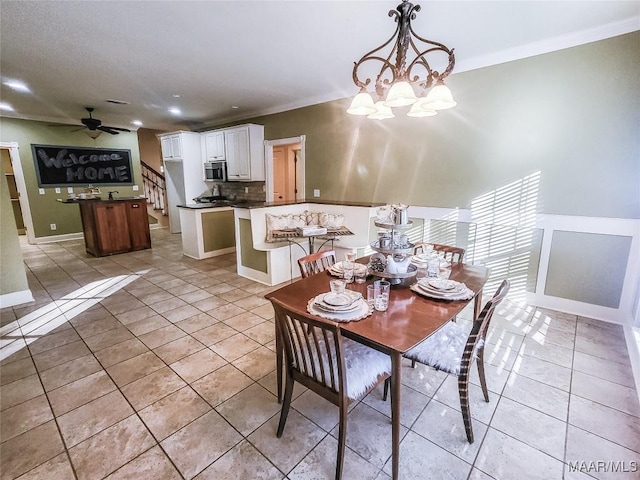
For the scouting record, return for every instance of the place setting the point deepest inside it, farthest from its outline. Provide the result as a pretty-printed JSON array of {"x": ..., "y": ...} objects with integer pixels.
[
  {"x": 340, "y": 304},
  {"x": 337, "y": 270},
  {"x": 442, "y": 289}
]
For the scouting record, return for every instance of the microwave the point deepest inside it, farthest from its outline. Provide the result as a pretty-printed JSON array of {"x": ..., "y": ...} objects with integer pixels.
[{"x": 215, "y": 171}]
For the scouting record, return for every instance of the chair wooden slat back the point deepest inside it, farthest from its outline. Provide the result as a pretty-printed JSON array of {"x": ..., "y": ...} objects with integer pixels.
[
  {"x": 315, "y": 356},
  {"x": 313, "y": 352},
  {"x": 316, "y": 262},
  {"x": 451, "y": 253}
]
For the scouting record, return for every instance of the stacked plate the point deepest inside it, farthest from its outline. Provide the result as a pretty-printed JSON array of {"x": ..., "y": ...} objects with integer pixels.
[
  {"x": 442, "y": 289},
  {"x": 337, "y": 270},
  {"x": 420, "y": 260},
  {"x": 344, "y": 307}
]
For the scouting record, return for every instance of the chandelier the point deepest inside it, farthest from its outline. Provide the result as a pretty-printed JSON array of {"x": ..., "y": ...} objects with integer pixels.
[{"x": 397, "y": 82}]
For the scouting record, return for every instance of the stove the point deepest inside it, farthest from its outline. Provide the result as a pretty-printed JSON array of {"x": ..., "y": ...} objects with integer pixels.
[{"x": 211, "y": 199}]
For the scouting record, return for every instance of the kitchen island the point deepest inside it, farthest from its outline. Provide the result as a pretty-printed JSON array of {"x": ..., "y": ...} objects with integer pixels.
[
  {"x": 114, "y": 226},
  {"x": 207, "y": 230}
]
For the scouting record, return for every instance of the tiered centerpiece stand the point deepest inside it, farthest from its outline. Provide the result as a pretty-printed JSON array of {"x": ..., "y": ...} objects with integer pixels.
[{"x": 402, "y": 252}]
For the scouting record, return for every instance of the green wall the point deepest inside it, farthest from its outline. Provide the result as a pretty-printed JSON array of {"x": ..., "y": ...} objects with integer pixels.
[
  {"x": 45, "y": 209},
  {"x": 13, "y": 277},
  {"x": 571, "y": 117}
]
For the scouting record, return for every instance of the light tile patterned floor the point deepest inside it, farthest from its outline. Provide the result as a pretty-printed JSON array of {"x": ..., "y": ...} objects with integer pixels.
[{"x": 151, "y": 365}]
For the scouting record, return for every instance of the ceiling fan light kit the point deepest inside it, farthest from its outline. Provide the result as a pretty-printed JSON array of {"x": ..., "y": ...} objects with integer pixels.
[{"x": 399, "y": 78}]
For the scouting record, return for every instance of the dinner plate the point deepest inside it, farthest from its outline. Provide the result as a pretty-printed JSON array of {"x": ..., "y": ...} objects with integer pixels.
[
  {"x": 464, "y": 294},
  {"x": 337, "y": 299},
  {"x": 426, "y": 283},
  {"x": 361, "y": 309},
  {"x": 443, "y": 284}
]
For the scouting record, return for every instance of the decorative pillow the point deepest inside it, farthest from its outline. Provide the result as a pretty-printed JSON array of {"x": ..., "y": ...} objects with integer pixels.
[
  {"x": 276, "y": 222},
  {"x": 313, "y": 218},
  {"x": 331, "y": 220},
  {"x": 297, "y": 220}
]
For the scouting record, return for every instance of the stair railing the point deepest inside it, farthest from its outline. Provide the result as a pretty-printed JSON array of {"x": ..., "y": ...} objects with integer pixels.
[{"x": 155, "y": 188}]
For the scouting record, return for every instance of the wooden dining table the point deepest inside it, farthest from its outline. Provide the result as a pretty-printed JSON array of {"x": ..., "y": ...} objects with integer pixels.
[{"x": 409, "y": 319}]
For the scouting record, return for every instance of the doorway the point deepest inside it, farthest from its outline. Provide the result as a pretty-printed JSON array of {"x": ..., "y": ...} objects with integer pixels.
[
  {"x": 285, "y": 169},
  {"x": 12, "y": 172}
]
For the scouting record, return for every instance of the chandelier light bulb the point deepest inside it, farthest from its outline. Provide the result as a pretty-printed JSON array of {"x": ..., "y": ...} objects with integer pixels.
[
  {"x": 400, "y": 94},
  {"x": 439, "y": 98},
  {"x": 362, "y": 104},
  {"x": 382, "y": 111}
]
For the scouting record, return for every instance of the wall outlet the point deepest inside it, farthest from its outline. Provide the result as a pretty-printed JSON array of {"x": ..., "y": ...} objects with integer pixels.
[
  {"x": 57, "y": 189},
  {"x": 53, "y": 226},
  {"x": 41, "y": 191},
  {"x": 135, "y": 188},
  {"x": 316, "y": 192},
  {"x": 69, "y": 189},
  {"x": 246, "y": 189}
]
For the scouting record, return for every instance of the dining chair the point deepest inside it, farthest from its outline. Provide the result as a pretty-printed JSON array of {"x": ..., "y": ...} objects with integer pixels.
[
  {"x": 451, "y": 253},
  {"x": 316, "y": 262},
  {"x": 452, "y": 350},
  {"x": 338, "y": 369}
]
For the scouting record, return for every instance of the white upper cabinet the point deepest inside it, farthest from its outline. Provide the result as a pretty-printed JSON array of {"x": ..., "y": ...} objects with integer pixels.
[
  {"x": 171, "y": 146},
  {"x": 214, "y": 146},
  {"x": 245, "y": 153}
]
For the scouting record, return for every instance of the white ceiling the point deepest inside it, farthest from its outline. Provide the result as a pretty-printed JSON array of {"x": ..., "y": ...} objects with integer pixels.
[{"x": 262, "y": 56}]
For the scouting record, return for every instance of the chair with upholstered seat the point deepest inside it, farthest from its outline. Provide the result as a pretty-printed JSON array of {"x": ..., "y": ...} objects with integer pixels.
[
  {"x": 316, "y": 262},
  {"x": 336, "y": 368},
  {"x": 452, "y": 349},
  {"x": 451, "y": 253}
]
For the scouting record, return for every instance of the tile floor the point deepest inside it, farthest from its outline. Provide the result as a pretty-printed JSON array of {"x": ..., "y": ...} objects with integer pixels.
[{"x": 151, "y": 365}]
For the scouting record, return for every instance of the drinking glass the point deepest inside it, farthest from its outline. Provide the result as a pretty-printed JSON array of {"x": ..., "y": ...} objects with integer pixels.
[
  {"x": 350, "y": 257},
  {"x": 360, "y": 274},
  {"x": 371, "y": 295},
  {"x": 337, "y": 286},
  {"x": 433, "y": 266},
  {"x": 347, "y": 269},
  {"x": 382, "y": 288}
]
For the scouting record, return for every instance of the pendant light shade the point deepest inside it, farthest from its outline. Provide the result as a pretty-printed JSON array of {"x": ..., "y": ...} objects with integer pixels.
[
  {"x": 362, "y": 104},
  {"x": 439, "y": 98},
  {"x": 418, "y": 110},
  {"x": 382, "y": 111},
  {"x": 400, "y": 95}
]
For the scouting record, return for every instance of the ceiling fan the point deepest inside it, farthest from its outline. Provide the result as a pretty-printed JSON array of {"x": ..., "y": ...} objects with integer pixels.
[{"x": 95, "y": 126}]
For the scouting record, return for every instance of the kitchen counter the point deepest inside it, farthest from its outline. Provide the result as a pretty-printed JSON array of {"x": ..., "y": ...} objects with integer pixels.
[
  {"x": 312, "y": 201},
  {"x": 99, "y": 199},
  {"x": 207, "y": 230}
]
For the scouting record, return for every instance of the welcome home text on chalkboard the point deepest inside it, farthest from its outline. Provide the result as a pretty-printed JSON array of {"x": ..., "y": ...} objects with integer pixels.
[{"x": 58, "y": 166}]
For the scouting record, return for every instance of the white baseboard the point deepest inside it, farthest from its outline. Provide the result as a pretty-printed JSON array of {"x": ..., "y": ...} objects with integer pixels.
[
  {"x": 15, "y": 298},
  {"x": 632, "y": 335},
  {"x": 59, "y": 238}
]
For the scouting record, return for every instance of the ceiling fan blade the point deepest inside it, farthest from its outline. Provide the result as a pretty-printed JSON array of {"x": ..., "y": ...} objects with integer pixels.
[
  {"x": 108, "y": 130},
  {"x": 118, "y": 128},
  {"x": 65, "y": 125},
  {"x": 77, "y": 129}
]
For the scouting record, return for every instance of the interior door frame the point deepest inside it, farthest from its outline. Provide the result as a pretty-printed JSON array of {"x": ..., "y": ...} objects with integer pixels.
[
  {"x": 300, "y": 169},
  {"x": 14, "y": 155}
]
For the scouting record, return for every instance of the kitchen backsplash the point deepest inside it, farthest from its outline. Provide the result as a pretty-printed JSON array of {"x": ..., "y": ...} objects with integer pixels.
[{"x": 236, "y": 190}]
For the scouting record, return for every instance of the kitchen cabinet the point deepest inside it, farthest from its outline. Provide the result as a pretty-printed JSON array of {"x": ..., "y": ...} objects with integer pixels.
[
  {"x": 214, "y": 146},
  {"x": 171, "y": 147},
  {"x": 184, "y": 177},
  {"x": 245, "y": 153},
  {"x": 116, "y": 226}
]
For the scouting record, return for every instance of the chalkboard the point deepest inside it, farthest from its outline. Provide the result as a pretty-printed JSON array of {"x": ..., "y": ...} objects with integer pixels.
[{"x": 58, "y": 166}]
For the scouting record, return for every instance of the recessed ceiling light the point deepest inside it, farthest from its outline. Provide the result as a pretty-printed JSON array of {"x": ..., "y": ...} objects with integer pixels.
[
  {"x": 175, "y": 111},
  {"x": 235, "y": 107},
  {"x": 137, "y": 122},
  {"x": 18, "y": 86},
  {"x": 177, "y": 95},
  {"x": 6, "y": 106}
]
